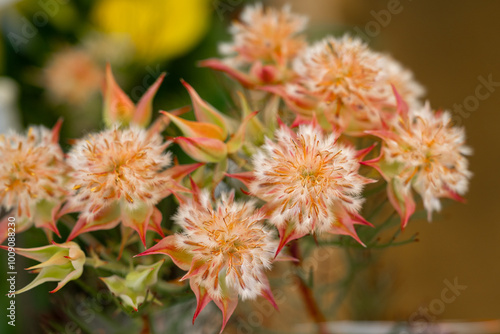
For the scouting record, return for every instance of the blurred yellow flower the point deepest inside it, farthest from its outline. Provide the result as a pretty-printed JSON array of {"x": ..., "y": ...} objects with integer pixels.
[{"x": 159, "y": 29}]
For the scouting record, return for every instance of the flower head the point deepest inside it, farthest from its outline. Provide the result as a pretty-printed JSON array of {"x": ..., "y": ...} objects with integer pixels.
[
  {"x": 72, "y": 76},
  {"x": 133, "y": 289},
  {"x": 310, "y": 181},
  {"x": 342, "y": 70},
  {"x": 265, "y": 41},
  {"x": 425, "y": 152},
  {"x": 230, "y": 240},
  {"x": 226, "y": 250},
  {"x": 32, "y": 176},
  {"x": 266, "y": 35},
  {"x": 118, "y": 173},
  {"x": 119, "y": 165},
  {"x": 349, "y": 83},
  {"x": 59, "y": 263}
]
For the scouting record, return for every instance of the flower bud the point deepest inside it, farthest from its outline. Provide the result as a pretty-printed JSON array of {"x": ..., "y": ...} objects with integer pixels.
[
  {"x": 58, "y": 263},
  {"x": 133, "y": 288}
]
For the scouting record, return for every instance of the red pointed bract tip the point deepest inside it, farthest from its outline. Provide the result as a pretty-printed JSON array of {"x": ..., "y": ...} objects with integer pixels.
[{"x": 202, "y": 299}]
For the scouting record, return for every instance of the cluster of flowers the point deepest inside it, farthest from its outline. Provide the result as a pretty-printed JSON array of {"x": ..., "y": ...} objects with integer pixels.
[{"x": 302, "y": 177}]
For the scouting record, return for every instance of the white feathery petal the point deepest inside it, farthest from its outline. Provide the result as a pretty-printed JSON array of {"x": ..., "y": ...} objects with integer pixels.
[
  {"x": 32, "y": 169},
  {"x": 230, "y": 239},
  {"x": 119, "y": 164},
  {"x": 264, "y": 34},
  {"x": 432, "y": 155},
  {"x": 304, "y": 176}
]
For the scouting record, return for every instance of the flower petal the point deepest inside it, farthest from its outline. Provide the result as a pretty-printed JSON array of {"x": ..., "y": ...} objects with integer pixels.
[
  {"x": 168, "y": 246},
  {"x": 197, "y": 129},
  {"x": 178, "y": 172},
  {"x": 144, "y": 110},
  {"x": 236, "y": 140},
  {"x": 155, "y": 222},
  {"x": 105, "y": 219},
  {"x": 205, "y": 112},
  {"x": 402, "y": 200},
  {"x": 202, "y": 298},
  {"x": 245, "y": 177},
  {"x": 287, "y": 232},
  {"x": 267, "y": 292},
  {"x": 227, "y": 305},
  {"x": 138, "y": 218},
  {"x": 118, "y": 108},
  {"x": 218, "y": 65},
  {"x": 45, "y": 215},
  {"x": 203, "y": 149},
  {"x": 196, "y": 267}
]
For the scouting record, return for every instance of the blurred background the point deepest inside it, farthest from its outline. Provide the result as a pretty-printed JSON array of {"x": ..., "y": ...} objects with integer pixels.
[{"x": 52, "y": 56}]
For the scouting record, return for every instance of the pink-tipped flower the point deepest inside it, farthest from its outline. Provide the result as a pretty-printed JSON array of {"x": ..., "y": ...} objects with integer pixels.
[
  {"x": 32, "y": 178},
  {"x": 118, "y": 175},
  {"x": 72, "y": 76},
  {"x": 119, "y": 109},
  {"x": 209, "y": 138},
  {"x": 310, "y": 182},
  {"x": 59, "y": 263},
  {"x": 423, "y": 151},
  {"x": 226, "y": 249},
  {"x": 265, "y": 41},
  {"x": 348, "y": 83}
]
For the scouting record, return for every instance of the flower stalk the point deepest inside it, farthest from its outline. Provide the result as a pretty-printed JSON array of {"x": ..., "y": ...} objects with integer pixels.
[{"x": 306, "y": 292}]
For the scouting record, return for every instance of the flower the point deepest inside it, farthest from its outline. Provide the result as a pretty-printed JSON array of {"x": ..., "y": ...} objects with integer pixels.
[
  {"x": 310, "y": 183},
  {"x": 266, "y": 35},
  {"x": 59, "y": 262},
  {"x": 133, "y": 289},
  {"x": 265, "y": 40},
  {"x": 210, "y": 138},
  {"x": 72, "y": 76},
  {"x": 423, "y": 151},
  {"x": 348, "y": 83},
  {"x": 32, "y": 178},
  {"x": 343, "y": 70},
  {"x": 118, "y": 175},
  {"x": 226, "y": 249}
]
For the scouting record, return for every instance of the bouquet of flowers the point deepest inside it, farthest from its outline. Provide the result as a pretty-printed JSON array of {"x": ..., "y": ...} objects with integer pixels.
[{"x": 326, "y": 137}]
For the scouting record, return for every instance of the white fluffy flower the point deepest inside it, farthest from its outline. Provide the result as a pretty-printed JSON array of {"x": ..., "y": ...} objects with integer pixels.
[
  {"x": 431, "y": 156},
  {"x": 341, "y": 70},
  {"x": 266, "y": 35},
  {"x": 33, "y": 178},
  {"x": 351, "y": 84},
  {"x": 307, "y": 178},
  {"x": 228, "y": 241},
  {"x": 32, "y": 169},
  {"x": 119, "y": 164}
]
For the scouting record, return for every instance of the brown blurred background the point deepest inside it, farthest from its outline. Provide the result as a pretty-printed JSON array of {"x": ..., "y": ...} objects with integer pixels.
[{"x": 448, "y": 45}]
